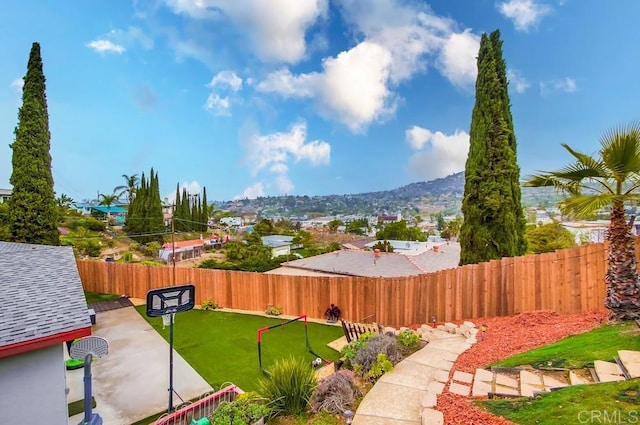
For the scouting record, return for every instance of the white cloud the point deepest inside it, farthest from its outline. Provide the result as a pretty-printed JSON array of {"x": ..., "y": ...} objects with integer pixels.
[
  {"x": 276, "y": 28},
  {"x": 106, "y": 46},
  {"x": 417, "y": 136},
  {"x": 226, "y": 79},
  {"x": 444, "y": 154},
  {"x": 524, "y": 13},
  {"x": 218, "y": 105},
  {"x": 357, "y": 87},
  {"x": 17, "y": 84},
  {"x": 193, "y": 187},
  {"x": 273, "y": 152},
  {"x": 252, "y": 192},
  {"x": 131, "y": 36},
  {"x": 457, "y": 61},
  {"x": 517, "y": 81},
  {"x": 567, "y": 85}
]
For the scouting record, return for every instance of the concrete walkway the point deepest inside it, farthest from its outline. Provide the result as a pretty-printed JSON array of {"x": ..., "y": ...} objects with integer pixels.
[
  {"x": 131, "y": 382},
  {"x": 408, "y": 393}
]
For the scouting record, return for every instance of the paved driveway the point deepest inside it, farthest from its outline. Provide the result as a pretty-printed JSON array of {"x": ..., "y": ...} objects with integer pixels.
[{"x": 131, "y": 382}]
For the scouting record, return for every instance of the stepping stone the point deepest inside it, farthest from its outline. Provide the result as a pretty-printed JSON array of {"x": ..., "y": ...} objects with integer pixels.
[
  {"x": 481, "y": 388},
  {"x": 463, "y": 377},
  {"x": 506, "y": 380},
  {"x": 554, "y": 381},
  {"x": 441, "y": 376},
  {"x": 483, "y": 375},
  {"x": 432, "y": 417},
  {"x": 580, "y": 377},
  {"x": 459, "y": 389},
  {"x": 530, "y": 378},
  {"x": 607, "y": 370},
  {"x": 631, "y": 361},
  {"x": 435, "y": 387},
  {"x": 529, "y": 390},
  {"x": 503, "y": 390},
  {"x": 429, "y": 400}
]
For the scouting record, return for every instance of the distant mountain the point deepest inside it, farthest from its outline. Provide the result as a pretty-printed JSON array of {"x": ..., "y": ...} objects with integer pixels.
[{"x": 443, "y": 194}]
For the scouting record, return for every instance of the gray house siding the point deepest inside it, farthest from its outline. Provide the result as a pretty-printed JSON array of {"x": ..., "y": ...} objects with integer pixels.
[{"x": 34, "y": 387}]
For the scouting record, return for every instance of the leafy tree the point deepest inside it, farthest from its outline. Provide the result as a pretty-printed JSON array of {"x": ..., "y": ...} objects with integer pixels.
[
  {"x": 129, "y": 188},
  {"x": 5, "y": 231},
  {"x": 383, "y": 246},
  {"x": 107, "y": 201},
  {"x": 440, "y": 223},
  {"x": 334, "y": 224},
  {"x": 356, "y": 226},
  {"x": 400, "y": 232},
  {"x": 549, "y": 237},
  {"x": 494, "y": 222},
  {"x": 611, "y": 179},
  {"x": 452, "y": 229},
  {"x": 145, "y": 221},
  {"x": 264, "y": 227},
  {"x": 32, "y": 205},
  {"x": 65, "y": 200}
]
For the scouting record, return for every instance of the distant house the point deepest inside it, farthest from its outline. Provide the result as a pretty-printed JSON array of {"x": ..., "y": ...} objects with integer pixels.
[
  {"x": 373, "y": 264},
  {"x": 386, "y": 219},
  {"x": 186, "y": 250},
  {"x": 5, "y": 194},
  {"x": 115, "y": 212},
  {"x": 279, "y": 244},
  {"x": 588, "y": 231},
  {"x": 231, "y": 221},
  {"x": 43, "y": 306}
]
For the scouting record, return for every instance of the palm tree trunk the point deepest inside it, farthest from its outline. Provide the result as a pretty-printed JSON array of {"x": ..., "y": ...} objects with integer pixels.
[{"x": 623, "y": 289}]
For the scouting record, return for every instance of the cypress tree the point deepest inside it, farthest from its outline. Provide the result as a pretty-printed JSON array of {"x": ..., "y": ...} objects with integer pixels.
[
  {"x": 185, "y": 212},
  {"x": 32, "y": 207},
  {"x": 494, "y": 222},
  {"x": 204, "y": 216},
  {"x": 145, "y": 221}
]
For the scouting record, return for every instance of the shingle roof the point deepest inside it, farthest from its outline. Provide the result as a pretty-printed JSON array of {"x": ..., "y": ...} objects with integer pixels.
[
  {"x": 446, "y": 257},
  {"x": 358, "y": 263},
  {"x": 40, "y": 293}
]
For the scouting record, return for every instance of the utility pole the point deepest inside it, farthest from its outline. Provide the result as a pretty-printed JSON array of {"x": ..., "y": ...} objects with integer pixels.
[{"x": 173, "y": 240}]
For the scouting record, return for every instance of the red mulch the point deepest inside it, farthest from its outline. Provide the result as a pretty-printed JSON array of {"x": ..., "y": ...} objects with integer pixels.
[{"x": 506, "y": 336}]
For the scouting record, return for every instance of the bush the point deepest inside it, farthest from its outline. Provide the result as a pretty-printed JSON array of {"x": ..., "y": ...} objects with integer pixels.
[
  {"x": 335, "y": 393},
  {"x": 241, "y": 411},
  {"x": 209, "y": 305},
  {"x": 290, "y": 386},
  {"x": 273, "y": 310},
  {"x": 408, "y": 339},
  {"x": 381, "y": 366},
  {"x": 367, "y": 356},
  {"x": 127, "y": 257},
  {"x": 91, "y": 223},
  {"x": 212, "y": 263},
  {"x": 134, "y": 246},
  {"x": 90, "y": 248}
]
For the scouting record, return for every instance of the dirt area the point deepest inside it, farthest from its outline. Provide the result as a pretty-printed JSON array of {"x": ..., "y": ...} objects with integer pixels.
[
  {"x": 506, "y": 336},
  {"x": 196, "y": 261}
]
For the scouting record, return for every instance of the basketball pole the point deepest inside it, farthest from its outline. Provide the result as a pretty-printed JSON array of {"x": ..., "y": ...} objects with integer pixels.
[{"x": 171, "y": 364}]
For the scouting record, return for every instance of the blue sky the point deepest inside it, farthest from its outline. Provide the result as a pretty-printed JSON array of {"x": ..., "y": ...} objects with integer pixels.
[{"x": 308, "y": 97}]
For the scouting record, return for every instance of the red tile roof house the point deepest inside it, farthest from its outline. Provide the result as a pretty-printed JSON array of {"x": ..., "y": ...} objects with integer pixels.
[
  {"x": 185, "y": 250},
  {"x": 42, "y": 305}
]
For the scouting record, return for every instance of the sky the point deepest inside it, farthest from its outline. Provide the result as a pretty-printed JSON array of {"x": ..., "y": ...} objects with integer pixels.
[{"x": 308, "y": 97}]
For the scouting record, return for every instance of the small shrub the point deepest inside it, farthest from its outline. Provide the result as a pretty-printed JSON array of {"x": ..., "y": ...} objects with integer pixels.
[
  {"x": 290, "y": 386},
  {"x": 134, "y": 246},
  {"x": 408, "y": 339},
  {"x": 91, "y": 223},
  {"x": 367, "y": 356},
  {"x": 127, "y": 257},
  {"x": 273, "y": 310},
  {"x": 381, "y": 366},
  {"x": 241, "y": 411},
  {"x": 335, "y": 393},
  {"x": 209, "y": 305}
]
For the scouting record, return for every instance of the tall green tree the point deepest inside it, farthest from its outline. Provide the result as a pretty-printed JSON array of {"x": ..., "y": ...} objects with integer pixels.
[
  {"x": 145, "y": 221},
  {"x": 494, "y": 224},
  {"x": 611, "y": 179},
  {"x": 107, "y": 201},
  {"x": 32, "y": 205}
]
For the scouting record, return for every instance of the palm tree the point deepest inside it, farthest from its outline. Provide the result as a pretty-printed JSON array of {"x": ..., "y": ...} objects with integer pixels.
[
  {"x": 129, "y": 188},
  {"x": 107, "y": 201},
  {"x": 65, "y": 200},
  {"x": 610, "y": 180}
]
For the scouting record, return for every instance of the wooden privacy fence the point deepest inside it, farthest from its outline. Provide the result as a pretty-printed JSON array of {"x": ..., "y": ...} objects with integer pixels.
[{"x": 566, "y": 281}]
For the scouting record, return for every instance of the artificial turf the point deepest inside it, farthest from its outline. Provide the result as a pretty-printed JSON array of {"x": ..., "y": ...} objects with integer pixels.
[{"x": 222, "y": 347}]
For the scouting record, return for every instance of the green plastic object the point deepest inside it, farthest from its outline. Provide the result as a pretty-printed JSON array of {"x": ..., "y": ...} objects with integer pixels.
[
  {"x": 73, "y": 364},
  {"x": 203, "y": 421}
]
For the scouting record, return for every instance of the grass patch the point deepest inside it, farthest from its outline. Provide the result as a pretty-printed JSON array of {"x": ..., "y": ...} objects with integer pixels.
[
  {"x": 78, "y": 406},
  {"x": 222, "y": 346},
  {"x": 94, "y": 297},
  {"x": 617, "y": 402},
  {"x": 580, "y": 350}
]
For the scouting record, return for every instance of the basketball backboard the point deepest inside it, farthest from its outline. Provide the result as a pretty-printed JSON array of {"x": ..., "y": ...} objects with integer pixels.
[{"x": 172, "y": 299}]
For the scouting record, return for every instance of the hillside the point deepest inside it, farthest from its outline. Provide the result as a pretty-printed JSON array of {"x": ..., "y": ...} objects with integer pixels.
[{"x": 443, "y": 194}]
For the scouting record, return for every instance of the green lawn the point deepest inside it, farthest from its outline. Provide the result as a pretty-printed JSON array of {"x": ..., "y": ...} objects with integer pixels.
[
  {"x": 610, "y": 403},
  {"x": 222, "y": 347},
  {"x": 93, "y": 297},
  {"x": 581, "y": 350}
]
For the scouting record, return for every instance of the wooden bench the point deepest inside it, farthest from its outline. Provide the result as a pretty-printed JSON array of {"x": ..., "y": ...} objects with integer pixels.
[{"x": 352, "y": 330}]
